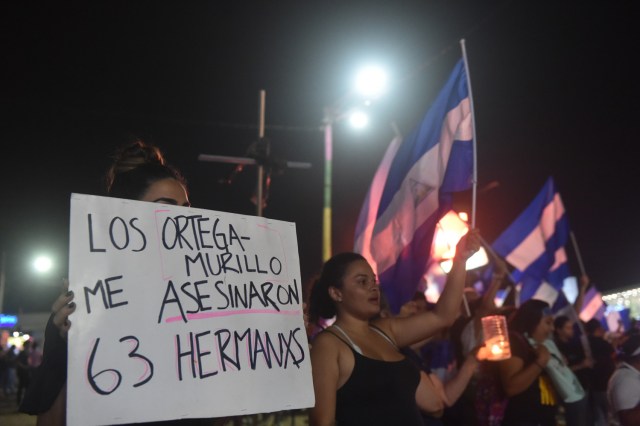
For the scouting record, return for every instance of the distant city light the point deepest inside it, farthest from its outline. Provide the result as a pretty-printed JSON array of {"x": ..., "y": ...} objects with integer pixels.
[
  {"x": 625, "y": 299},
  {"x": 8, "y": 321}
]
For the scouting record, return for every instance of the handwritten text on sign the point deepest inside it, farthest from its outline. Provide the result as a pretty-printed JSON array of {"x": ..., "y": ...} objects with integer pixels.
[{"x": 182, "y": 313}]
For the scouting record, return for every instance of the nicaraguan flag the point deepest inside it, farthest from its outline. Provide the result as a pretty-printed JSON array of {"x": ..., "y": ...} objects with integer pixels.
[
  {"x": 616, "y": 316},
  {"x": 367, "y": 217},
  {"x": 534, "y": 243},
  {"x": 557, "y": 299},
  {"x": 593, "y": 306},
  {"x": 412, "y": 191}
]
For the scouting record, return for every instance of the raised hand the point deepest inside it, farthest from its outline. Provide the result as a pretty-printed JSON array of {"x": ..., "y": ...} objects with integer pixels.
[{"x": 62, "y": 308}]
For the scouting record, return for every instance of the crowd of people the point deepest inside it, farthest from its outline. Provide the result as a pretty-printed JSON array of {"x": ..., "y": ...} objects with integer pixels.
[
  {"x": 17, "y": 365},
  {"x": 561, "y": 370},
  {"x": 425, "y": 365}
]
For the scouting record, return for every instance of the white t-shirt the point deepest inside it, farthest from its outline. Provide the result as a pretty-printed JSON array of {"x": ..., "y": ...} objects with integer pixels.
[{"x": 623, "y": 390}]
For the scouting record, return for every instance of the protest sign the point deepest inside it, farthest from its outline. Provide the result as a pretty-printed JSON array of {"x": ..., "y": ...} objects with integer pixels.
[{"x": 182, "y": 313}]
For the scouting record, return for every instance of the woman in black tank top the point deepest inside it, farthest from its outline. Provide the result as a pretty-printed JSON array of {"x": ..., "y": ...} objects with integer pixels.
[{"x": 359, "y": 375}]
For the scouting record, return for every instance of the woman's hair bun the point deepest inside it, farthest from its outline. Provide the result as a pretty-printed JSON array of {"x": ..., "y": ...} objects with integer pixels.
[{"x": 131, "y": 156}]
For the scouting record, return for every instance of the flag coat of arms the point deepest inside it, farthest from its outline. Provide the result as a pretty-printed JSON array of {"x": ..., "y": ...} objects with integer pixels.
[{"x": 412, "y": 190}]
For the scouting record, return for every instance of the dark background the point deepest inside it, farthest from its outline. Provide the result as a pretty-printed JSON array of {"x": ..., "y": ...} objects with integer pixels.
[{"x": 554, "y": 87}]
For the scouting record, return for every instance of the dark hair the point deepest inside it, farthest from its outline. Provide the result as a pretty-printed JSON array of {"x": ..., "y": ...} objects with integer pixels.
[
  {"x": 560, "y": 321},
  {"x": 135, "y": 168},
  {"x": 627, "y": 349},
  {"x": 592, "y": 325},
  {"x": 320, "y": 303},
  {"x": 527, "y": 317}
]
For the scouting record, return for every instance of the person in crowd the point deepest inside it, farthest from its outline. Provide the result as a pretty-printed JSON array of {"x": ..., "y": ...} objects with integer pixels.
[
  {"x": 23, "y": 370},
  {"x": 4, "y": 369},
  {"x": 359, "y": 374},
  {"x": 9, "y": 376},
  {"x": 531, "y": 397},
  {"x": 431, "y": 385},
  {"x": 575, "y": 350},
  {"x": 35, "y": 356},
  {"x": 489, "y": 399},
  {"x": 574, "y": 346},
  {"x": 572, "y": 350},
  {"x": 603, "y": 354},
  {"x": 430, "y": 394},
  {"x": 624, "y": 385},
  {"x": 634, "y": 327},
  {"x": 484, "y": 401},
  {"x": 139, "y": 172},
  {"x": 571, "y": 394}
]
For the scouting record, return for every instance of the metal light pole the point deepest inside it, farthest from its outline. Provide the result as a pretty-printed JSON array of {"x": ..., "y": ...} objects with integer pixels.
[
  {"x": 2, "y": 279},
  {"x": 328, "y": 158},
  {"x": 370, "y": 84},
  {"x": 259, "y": 191}
]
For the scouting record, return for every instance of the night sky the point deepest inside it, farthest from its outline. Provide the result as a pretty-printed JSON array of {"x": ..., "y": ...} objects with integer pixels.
[{"x": 554, "y": 85}]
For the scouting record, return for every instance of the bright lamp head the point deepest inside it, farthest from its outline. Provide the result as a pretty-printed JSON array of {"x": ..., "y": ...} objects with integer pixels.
[
  {"x": 43, "y": 264},
  {"x": 358, "y": 119},
  {"x": 371, "y": 82}
]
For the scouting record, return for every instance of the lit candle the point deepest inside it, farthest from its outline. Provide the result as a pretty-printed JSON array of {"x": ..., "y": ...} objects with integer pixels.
[{"x": 496, "y": 337}]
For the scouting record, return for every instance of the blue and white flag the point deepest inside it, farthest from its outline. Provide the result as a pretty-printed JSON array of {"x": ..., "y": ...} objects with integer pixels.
[
  {"x": 593, "y": 306},
  {"x": 616, "y": 317},
  {"x": 406, "y": 200},
  {"x": 534, "y": 243},
  {"x": 367, "y": 218}
]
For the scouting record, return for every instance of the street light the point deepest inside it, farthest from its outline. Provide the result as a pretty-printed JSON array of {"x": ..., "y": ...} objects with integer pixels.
[
  {"x": 371, "y": 82},
  {"x": 42, "y": 264}
]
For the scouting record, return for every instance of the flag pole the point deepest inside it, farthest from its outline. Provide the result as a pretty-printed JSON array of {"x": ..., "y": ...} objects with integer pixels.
[
  {"x": 474, "y": 181},
  {"x": 577, "y": 250},
  {"x": 583, "y": 334},
  {"x": 259, "y": 190},
  {"x": 493, "y": 254}
]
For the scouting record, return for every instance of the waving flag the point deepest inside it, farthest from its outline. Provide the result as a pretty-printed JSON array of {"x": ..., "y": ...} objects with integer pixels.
[
  {"x": 413, "y": 189},
  {"x": 534, "y": 243},
  {"x": 593, "y": 306},
  {"x": 616, "y": 316},
  {"x": 367, "y": 218}
]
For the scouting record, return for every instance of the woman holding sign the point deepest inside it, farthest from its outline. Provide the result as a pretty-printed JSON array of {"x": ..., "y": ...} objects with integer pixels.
[
  {"x": 359, "y": 374},
  {"x": 139, "y": 172}
]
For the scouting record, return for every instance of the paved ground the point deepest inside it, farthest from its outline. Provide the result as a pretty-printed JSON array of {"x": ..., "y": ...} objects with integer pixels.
[{"x": 9, "y": 415}]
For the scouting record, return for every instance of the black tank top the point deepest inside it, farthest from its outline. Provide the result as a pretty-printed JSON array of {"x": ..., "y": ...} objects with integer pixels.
[{"x": 378, "y": 392}]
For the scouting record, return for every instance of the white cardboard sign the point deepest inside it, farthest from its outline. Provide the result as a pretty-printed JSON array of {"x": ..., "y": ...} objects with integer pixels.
[{"x": 182, "y": 313}]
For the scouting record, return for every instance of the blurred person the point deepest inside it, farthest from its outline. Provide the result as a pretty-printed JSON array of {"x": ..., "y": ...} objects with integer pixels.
[
  {"x": 9, "y": 376},
  {"x": 624, "y": 386},
  {"x": 571, "y": 394},
  {"x": 35, "y": 356},
  {"x": 634, "y": 327},
  {"x": 23, "y": 370},
  {"x": 571, "y": 348},
  {"x": 532, "y": 399},
  {"x": 359, "y": 374},
  {"x": 3, "y": 371},
  {"x": 448, "y": 390},
  {"x": 485, "y": 401},
  {"x": 603, "y": 354},
  {"x": 572, "y": 344},
  {"x": 138, "y": 172},
  {"x": 490, "y": 400}
]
